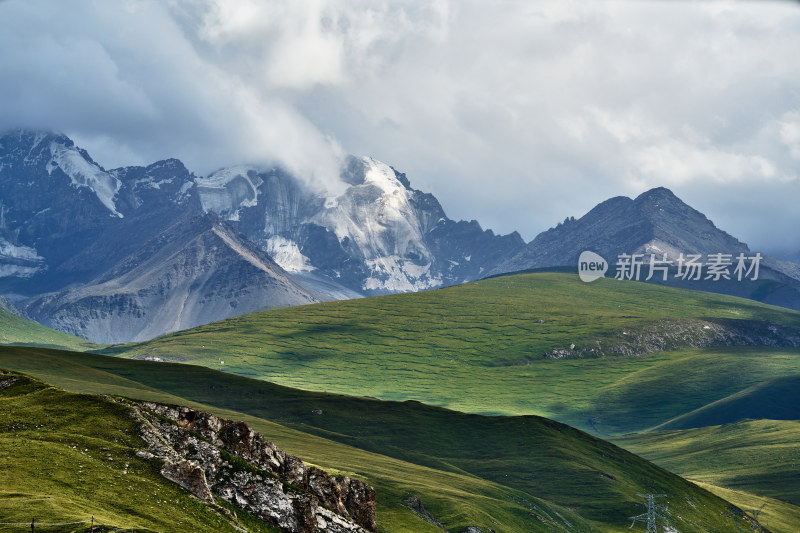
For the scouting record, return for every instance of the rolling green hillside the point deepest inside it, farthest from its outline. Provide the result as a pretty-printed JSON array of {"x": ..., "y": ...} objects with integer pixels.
[
  {"x": 758, "y": 456},
  {"x": 775, "y": 399},
  {"x": 446, "y": 458},
  {"x": 772, "y": 514},
  {"x": 16, "y": 330},
  {"x": 480, "y": 347},
  {"x": 70, "y": 457}
]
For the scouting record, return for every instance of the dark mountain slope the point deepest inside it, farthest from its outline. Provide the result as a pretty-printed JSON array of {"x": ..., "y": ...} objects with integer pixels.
[{"x": 196, "y": 271}]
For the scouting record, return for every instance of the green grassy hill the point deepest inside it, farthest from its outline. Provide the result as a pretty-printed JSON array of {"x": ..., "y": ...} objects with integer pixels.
[
  {"x": 70, "y": 457},
  {"x": 16, "y": 330},
  {"x": 775, "y": 399},
  {"x": 494, "y": 472},
  {"x": 480, "y": 347},
  {"x": 774, "y": 515},
  {"x": 748, "y": 458}
]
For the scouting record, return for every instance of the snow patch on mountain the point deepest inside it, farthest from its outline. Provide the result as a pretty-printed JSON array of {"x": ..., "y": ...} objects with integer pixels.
[
  {"x": 23, "y": 261},
  {"x": 382, "y": 176},
  {"x": 8, "y": 250},
  {"x": 228, "y": 190},
  {"x": 394, "y": 273},
  {"x": 376, "y": 214},
  {"x": 18, "y": 271},
  {"x": 287, "y": 254},
  {"x": 152, "y": 183},
  {"x": 82, "y": 173}
]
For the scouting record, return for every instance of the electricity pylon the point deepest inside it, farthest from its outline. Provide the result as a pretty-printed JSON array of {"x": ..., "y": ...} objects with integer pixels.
[{"x": 653, "y": 514}]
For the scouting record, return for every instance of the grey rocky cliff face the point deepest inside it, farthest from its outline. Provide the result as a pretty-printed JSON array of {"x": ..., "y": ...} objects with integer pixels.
[
  {"x": 209, "y": 455},
  {"x": 197, "y": 271},
  {"x": 377, "y": 236}
]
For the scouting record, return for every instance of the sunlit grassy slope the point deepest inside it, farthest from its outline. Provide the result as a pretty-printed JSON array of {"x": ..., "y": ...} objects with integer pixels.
[
  {"x": 759, "y": 456},
  {"x": 747, "y": 458},
  {"x": 70, "y": 457},
  {"x": 774, "y": 515},
  {"x": 479, "y": 347},
  {"x": 776, "y": 399},
  {"x": 494, "y": 472},
  {"x": 16, "y": 330}
]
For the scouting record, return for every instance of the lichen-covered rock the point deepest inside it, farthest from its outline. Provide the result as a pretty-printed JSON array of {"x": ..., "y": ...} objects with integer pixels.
[
  {"x": 190, "y": 476},
  {"x": 207, "y": 454},
  {"x": 359, "y": 500}
]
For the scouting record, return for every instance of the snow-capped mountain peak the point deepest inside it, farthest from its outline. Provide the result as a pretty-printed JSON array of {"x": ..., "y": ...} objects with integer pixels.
[
  {"x": 373, "y": 237},
  {"x": 375, "y": 213},
  {"x": 382, "y": 176},
  {"x": 83, "y": 173}
]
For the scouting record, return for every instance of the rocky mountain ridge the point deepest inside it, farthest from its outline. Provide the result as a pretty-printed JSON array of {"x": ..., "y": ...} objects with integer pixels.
[
  {"x": 70, "y": 233},
  {"x": 656, "y": 221},
  {"x": 197, "y": 270},
  {"x": 378, "y": 236},
  {"x": 209, "y": 456}
]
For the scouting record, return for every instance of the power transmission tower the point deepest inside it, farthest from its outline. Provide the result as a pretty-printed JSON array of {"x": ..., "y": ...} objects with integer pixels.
[
  {"x": 653, "y": 514},
  {"x": 750, "y": 523},
  {"x": 756, "y": 512}
]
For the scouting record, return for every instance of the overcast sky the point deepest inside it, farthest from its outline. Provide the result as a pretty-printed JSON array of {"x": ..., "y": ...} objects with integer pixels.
[{"x": 514, "y": 113}]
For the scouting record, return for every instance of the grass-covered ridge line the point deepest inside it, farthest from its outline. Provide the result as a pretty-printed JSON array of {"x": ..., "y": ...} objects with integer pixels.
[
  {"x": 18, "y": 331},
  {"x": 773, "y": 515},
  {"x": 510, "y": 320},
  {"x": 479, "y": 348},
  {"x": 66, "y": 457},
  {"x": 413, "y": 449},
  {"x": 774, "y": 399}
]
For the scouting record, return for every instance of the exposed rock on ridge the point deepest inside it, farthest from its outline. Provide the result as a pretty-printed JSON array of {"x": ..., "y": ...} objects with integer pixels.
[
  {"x": 684, "y": 333},
  {"x": 656, "y": 222},
  {"x": 210, "y": 455}
]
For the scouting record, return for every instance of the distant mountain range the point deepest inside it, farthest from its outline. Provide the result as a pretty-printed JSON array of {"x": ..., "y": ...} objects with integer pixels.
[{"x": 131, "y": 253}]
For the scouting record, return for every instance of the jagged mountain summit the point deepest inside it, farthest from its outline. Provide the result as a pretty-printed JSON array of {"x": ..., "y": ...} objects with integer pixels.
[
  {"x": 69, "y": 227},
  {"x": 64, "y": 219},
  {"x": 378, "y": 236}
]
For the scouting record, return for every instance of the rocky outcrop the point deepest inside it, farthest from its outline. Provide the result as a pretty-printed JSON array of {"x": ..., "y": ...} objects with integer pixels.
[
  {"x": 8, "y": 307},
  {"x": 208, "y": 455},
  {"x": 676, "y": 334}
]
